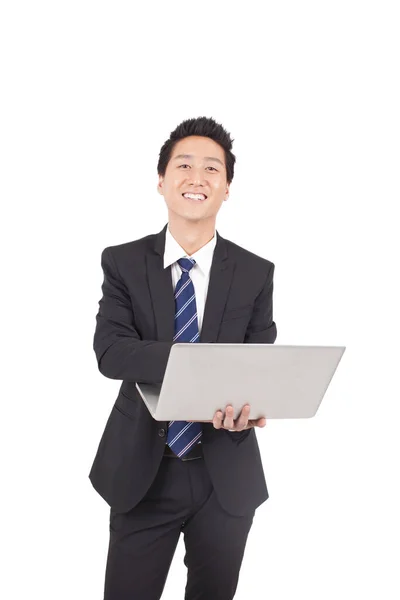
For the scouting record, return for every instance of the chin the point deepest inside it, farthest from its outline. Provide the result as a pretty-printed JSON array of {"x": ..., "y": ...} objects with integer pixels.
[{"x": 189, "y": 214}]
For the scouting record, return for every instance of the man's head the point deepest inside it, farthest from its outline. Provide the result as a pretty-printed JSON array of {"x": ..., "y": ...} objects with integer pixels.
[{"x": 196, "y": 159}]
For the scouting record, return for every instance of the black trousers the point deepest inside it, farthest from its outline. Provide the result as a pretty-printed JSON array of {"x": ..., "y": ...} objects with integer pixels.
[{"x": 143, "y": 541}]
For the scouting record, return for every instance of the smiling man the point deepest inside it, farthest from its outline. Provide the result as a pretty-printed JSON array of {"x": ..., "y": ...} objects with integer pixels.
[{"x": 184, "y": 284}]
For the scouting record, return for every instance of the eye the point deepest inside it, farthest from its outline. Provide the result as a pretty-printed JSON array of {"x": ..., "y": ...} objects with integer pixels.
[
  {"x": 183, "y": 166},
  {"x": 212, "y": 168}
]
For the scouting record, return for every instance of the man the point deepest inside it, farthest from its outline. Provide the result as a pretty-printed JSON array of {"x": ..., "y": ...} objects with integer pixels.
[{"x": 184, "y": 284}]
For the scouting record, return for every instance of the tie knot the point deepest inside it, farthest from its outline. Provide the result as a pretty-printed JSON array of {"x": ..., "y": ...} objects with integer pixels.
[{"x": 186, "y": 263}]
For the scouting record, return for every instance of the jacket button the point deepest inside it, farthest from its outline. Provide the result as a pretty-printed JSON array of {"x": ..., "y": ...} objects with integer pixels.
[{"x": 161, "y": 432}]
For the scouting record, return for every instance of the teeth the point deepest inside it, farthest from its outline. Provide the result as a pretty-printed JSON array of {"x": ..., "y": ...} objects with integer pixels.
[{"x": 195, "y": 196}]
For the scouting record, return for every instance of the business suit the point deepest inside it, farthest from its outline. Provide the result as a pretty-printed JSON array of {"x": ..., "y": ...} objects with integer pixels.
[{"x": 133, "y": 338}]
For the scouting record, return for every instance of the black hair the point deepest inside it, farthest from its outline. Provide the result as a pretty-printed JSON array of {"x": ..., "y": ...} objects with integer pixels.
[{"x": 202, "y": 126}]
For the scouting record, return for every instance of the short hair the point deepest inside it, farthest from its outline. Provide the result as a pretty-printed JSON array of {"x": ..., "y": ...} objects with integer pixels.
[{"x": 202, "y": 126}]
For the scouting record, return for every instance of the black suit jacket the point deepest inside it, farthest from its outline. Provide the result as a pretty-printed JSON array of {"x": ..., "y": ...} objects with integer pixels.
[{"x": 132, "y": 342}]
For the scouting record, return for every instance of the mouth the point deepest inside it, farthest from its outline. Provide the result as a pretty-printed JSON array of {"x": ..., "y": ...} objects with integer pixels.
[{"x": 195, "y": 197}]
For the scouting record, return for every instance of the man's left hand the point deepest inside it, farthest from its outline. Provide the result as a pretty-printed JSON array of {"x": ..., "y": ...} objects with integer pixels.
[{"x": 240, "y": 424}]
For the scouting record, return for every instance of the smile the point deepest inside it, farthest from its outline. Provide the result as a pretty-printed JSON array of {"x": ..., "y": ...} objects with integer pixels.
[{"x": 196, "y": 197}]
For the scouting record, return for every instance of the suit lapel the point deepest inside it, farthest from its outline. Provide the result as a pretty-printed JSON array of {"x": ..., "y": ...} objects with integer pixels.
[
  {"x": 162, "y": 293},
  {"x": 218, "y": 289}
]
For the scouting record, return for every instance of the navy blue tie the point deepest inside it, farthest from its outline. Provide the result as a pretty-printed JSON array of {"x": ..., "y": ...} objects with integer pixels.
[{"x": 183, "y": 435}]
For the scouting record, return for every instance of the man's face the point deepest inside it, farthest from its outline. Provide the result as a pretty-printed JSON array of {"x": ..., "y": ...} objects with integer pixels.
[{"x": 196, "y": 166}]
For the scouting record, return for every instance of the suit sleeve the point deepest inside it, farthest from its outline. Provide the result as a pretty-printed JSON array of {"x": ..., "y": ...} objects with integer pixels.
[
  {"x": 260, "y": 330},
  {"x": 120, "y": 352}
]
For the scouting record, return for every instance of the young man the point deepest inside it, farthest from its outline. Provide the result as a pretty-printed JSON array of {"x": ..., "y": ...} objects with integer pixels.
[{"x": 183, "y": 284}]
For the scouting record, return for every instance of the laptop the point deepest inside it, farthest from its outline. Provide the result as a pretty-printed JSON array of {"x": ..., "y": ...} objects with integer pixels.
[{"x": 277, "y": 381}]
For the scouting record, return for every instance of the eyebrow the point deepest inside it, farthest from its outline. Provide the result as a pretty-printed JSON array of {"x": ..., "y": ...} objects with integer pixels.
[{"x": 179, "y": 156}]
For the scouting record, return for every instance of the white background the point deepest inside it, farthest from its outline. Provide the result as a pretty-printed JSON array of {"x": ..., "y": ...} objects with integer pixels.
[{"x": 310, "y": 93}]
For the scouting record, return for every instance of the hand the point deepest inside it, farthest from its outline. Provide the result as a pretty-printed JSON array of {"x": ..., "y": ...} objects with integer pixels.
[{"x": 241, "y": 423}]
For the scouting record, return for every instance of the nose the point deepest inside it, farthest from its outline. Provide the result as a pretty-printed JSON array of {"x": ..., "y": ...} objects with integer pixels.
[{"x": 196, "y": 176}]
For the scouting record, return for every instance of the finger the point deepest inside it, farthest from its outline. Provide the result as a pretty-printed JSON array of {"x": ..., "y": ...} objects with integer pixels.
[
  {"x": 242, "y": 421},
  {"x": 217, "y": 420},
  {"x": 228, "y": 421},
  {"x": 258, "y": 422}
]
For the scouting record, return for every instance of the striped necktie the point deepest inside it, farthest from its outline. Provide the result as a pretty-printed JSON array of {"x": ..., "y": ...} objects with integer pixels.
[{"x": 183, "y": 435}]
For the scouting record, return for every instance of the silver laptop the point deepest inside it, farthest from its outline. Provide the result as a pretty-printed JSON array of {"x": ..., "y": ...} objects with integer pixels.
[{"x": 279, "y": 382}]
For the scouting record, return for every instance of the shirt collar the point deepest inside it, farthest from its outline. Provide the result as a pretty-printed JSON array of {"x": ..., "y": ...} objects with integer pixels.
[{"x": 203, "y": 257}]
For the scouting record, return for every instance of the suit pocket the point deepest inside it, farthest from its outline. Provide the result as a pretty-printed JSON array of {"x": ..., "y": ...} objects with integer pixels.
[{"x": 126, "y": 406}]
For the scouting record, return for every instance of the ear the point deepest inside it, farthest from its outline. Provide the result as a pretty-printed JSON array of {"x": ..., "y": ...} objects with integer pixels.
[
  {"x": 160, "y": 184},
  {"x": 227, "y": 192}
]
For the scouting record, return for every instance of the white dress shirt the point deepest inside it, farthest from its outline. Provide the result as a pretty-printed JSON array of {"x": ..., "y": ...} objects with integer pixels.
[{"x": 199, "y": 274}]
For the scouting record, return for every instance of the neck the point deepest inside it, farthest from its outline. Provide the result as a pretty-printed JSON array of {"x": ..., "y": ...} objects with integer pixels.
[{"x": 191, "y": 236}]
